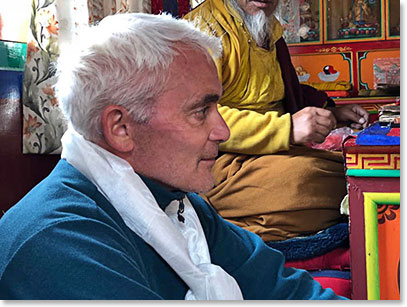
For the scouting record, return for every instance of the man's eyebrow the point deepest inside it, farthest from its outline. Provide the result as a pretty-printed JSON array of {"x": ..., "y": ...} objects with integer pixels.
[{"x": 208, "y": 99}]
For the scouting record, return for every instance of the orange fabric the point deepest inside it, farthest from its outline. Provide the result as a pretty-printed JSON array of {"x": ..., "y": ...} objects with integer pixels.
[{"x": 280, "y": 196}]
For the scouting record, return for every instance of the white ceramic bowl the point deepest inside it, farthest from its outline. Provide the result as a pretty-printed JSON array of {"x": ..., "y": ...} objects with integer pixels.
[{"x": 328, "y": 78}]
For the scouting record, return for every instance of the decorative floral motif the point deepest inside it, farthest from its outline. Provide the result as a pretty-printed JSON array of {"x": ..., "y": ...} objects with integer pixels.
[
  {"x": 52, "y": 25},
  {"x": 334, "y": 49},
  {"x": 31, "y": 50},
  {"x": 386, "y": 212},
  {"x": 50, "y": 92},
  {"x": 30, "y": 125}
]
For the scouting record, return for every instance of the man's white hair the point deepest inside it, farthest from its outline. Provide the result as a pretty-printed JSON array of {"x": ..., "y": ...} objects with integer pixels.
[{"x": 124, "y": 60}]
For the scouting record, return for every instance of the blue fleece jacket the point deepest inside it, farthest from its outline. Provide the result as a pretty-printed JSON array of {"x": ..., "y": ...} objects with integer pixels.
[{"x": 64, "y": 241}]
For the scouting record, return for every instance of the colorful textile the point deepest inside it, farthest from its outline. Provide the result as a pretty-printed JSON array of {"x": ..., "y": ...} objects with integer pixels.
[
  {"x": 377, "y": 134},
  {"x": 337, "y": 259},
  {"x": 331, "y": 86},
  {"x": 338, "y": 281},
  {"x": 314, "y": 245},
  {"x": 40, "y": 106},
  {"x": 101, "y": 258}
]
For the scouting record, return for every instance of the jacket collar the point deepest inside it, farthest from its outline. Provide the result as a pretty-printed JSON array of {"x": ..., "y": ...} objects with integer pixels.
[{"x": 162, "y": 195}]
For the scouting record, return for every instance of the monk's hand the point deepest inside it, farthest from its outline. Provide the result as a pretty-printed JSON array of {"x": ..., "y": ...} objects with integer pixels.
[
  {"x": 311, "y": 124},
  {"x": 353, "y": 115}
]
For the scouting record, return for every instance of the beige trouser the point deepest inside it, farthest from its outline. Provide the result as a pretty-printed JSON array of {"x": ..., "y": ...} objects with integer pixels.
[{"x": 282, "y": 195}]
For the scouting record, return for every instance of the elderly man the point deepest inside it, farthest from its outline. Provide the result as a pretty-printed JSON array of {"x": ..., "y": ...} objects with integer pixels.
[
  {"x": 266, "y": 181},
  {"x": 117, "y": 219}
]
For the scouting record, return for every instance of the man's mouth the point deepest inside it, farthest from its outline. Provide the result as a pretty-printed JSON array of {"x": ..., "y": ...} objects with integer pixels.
[
  {"x": 209, "y": 158},
  {"x": 261, "y": 3}
]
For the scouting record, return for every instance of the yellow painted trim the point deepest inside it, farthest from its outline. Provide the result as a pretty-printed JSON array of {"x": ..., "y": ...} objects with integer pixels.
[
  {"x": 371, "y": 200},
  {"x": 366, "y": 161}
]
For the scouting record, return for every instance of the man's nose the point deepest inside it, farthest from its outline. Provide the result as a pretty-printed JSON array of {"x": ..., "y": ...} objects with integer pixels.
[{"x": 220, "y": 131}]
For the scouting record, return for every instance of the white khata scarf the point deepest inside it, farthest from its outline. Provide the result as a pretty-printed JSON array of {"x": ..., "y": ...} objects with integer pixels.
[{"x": 182, "y": 245}]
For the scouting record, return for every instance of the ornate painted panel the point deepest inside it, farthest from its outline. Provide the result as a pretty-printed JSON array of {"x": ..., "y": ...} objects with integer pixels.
[
  {"x": 388, "y": 230},
  {"x": 382, "y": 240},
  {"x": 378, "y": 67},
  {"x": 322, "y": 68}
]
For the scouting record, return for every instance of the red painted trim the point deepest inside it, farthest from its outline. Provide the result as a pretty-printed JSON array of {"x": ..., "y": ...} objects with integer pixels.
[
  {"x": 365, "y": 100},
  {"x": 388, "y": 44},
  {"x": 372, "y": 149}
]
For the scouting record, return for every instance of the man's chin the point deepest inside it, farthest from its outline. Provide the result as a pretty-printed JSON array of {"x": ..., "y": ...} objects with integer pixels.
[{"x": 203, "y": 186}]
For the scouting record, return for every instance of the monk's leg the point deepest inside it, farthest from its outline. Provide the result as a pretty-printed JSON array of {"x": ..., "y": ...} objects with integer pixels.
[{"x": 280, "y": 196}]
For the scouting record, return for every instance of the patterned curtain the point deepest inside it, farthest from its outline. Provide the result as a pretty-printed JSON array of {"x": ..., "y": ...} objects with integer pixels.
[{"x": 53, "y": 23}]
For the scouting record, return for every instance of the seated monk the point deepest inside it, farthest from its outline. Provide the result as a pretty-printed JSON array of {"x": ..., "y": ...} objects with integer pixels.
[{"x": 266, "y": 180}]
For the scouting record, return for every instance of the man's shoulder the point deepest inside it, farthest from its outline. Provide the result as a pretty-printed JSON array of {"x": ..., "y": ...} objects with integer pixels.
[
  {"x": 62, "y": 185},
  {"x": 64, "y": 194}
]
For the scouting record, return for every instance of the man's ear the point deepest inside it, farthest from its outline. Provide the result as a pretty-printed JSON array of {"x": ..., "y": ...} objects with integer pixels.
[{"x": 116, "y": 126}]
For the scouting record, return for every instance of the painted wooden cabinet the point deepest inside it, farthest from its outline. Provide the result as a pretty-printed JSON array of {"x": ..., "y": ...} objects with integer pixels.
[
  {"x": 373, "y": 178},
  {"x": 349, "y": 48}
]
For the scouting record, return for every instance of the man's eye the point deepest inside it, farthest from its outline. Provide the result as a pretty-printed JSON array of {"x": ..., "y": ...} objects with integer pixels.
[{"x": 201, "y": 113}]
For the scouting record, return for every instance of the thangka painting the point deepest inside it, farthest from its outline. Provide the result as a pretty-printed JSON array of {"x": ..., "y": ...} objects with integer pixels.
[
  {"x": 288, "y": 13},
  {"x": 386, "y": 71}
]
